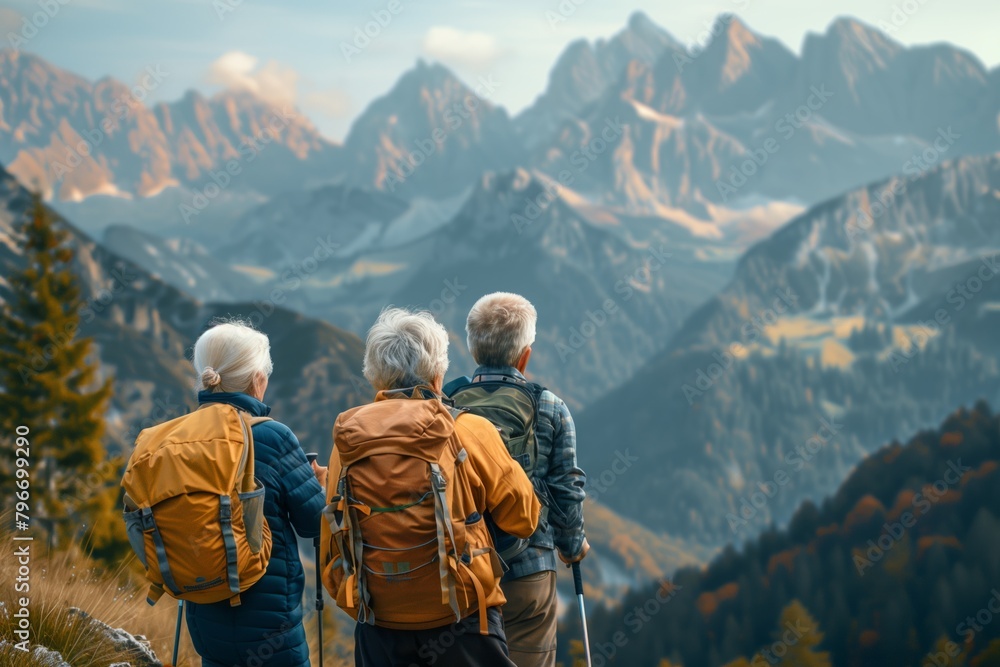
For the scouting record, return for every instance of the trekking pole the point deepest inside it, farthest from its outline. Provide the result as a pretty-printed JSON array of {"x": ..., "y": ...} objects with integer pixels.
[
  {"x": 578, "y": 583},
  {"x": 311, "y": 457},
  {"x": 177, "y": 631}
]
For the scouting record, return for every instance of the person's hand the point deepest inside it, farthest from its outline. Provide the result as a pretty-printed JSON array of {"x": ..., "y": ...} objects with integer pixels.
[
  {"x": 584, "y": 550},
  {"x": 320, "y": 473}
]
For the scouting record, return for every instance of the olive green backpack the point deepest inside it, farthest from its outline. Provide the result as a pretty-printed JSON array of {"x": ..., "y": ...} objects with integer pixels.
[{"x": 511, "y": 405}]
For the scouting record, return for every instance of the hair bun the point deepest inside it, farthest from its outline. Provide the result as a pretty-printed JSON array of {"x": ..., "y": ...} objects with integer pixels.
[{"x": 210, "y": 378}]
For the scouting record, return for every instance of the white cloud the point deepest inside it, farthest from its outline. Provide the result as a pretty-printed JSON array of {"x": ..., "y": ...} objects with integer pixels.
[
  {"x": 273, "y": 82},
  {"x": 476, "y": 50}
]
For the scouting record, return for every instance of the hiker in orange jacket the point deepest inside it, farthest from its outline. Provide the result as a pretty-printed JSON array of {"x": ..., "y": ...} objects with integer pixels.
[{"x": 409, "y": 485}]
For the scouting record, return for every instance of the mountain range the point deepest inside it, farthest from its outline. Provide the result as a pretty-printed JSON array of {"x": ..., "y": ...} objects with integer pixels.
[
  {"x": 852, "y": 108},
  {"x": 864, "y": 318},
  {"x": 734, "y": 249},
  {"x": 143, "y": 330}
]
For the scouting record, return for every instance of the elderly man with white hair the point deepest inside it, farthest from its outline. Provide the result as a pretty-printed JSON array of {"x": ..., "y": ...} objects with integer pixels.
[
  {"x": 539, "y": 433},
  {"x": 405, "y": 548}
]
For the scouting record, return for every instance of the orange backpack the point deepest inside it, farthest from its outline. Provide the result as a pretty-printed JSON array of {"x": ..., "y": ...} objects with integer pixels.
[
  {"x": 194, "y": 511},
  {"x": 407, "y": 549}
]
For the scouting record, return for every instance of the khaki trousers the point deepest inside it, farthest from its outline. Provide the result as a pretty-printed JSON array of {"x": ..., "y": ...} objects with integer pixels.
[{"x": 529, "y": 619}]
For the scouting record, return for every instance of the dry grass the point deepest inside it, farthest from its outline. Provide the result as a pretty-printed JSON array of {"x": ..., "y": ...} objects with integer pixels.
[{"x": 69, "y": 579}]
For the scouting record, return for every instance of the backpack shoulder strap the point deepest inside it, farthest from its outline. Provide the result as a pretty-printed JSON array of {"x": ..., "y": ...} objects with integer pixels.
[
  {"x": 455, "y": 411},
  {"x": 456, "y": 385},
  {"x": 246, "y": 470},
  {"x": 536, "y": 390}
]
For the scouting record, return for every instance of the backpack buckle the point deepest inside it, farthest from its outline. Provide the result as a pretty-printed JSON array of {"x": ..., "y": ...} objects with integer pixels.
[{"x": 438, "y": 482}]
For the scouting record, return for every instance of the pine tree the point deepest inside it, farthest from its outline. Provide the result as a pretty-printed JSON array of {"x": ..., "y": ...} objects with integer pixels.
[
  {"x": 799, "y": 632},
  {"x": 49, "y": 385}
]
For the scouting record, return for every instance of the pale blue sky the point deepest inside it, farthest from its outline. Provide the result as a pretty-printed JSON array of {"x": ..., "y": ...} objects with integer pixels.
[{"x": 292, "y": 49}]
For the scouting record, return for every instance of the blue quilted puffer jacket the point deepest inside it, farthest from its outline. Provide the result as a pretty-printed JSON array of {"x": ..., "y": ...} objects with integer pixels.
[{"x": 266, "y": 629}]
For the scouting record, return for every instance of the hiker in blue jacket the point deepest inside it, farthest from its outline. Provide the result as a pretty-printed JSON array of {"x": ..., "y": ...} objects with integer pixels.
[{"x": 233, "y": 362}]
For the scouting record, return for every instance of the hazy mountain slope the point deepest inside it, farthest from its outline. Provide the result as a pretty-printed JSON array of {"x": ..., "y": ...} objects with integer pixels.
[
  {"x": 144, "y": 330},
  {"x": 610, "y": 288},
  {"x": 890, "y": 89},
  {"x": 431, "y": 135},
  {"x": 179, "y": 262},
  {"x": 584, "y": 71},
  {"x": 817, "y": 336},
  {"x": 288, "y": 228}
]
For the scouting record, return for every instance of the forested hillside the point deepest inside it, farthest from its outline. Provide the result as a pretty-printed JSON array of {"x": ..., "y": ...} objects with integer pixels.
[{"x": 900, "y": 563}]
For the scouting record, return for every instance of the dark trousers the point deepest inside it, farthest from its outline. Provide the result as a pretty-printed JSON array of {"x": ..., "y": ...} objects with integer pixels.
[{"x": 456, "y": 645}]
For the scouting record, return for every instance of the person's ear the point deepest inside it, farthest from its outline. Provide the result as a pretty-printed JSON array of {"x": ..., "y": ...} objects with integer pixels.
[
  {"x": 522, "y": 361},
  {"x": 259, "y": 385}
]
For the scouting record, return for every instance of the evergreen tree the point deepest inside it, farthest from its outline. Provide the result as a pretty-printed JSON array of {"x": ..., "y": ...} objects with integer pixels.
[{"x": 49, "y": 385}]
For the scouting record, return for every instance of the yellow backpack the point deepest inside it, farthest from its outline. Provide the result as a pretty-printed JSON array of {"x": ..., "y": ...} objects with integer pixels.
[{"x": 194, "y": 511}]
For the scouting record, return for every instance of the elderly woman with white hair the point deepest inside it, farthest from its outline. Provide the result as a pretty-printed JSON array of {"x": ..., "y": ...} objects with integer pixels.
[
  {"x": 407, "y": 551},
  {"x": 233, "y": 363}
]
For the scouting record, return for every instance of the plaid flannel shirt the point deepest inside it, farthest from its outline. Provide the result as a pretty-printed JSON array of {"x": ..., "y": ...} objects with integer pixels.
[{"x": 557, "y": 470}]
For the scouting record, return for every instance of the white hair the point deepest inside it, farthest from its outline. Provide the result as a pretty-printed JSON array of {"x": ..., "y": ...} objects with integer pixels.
[
  {"x": 405, "y": 348},
  {"x": 229, "y": 356},
  {"x": 499, "y": 328}
]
